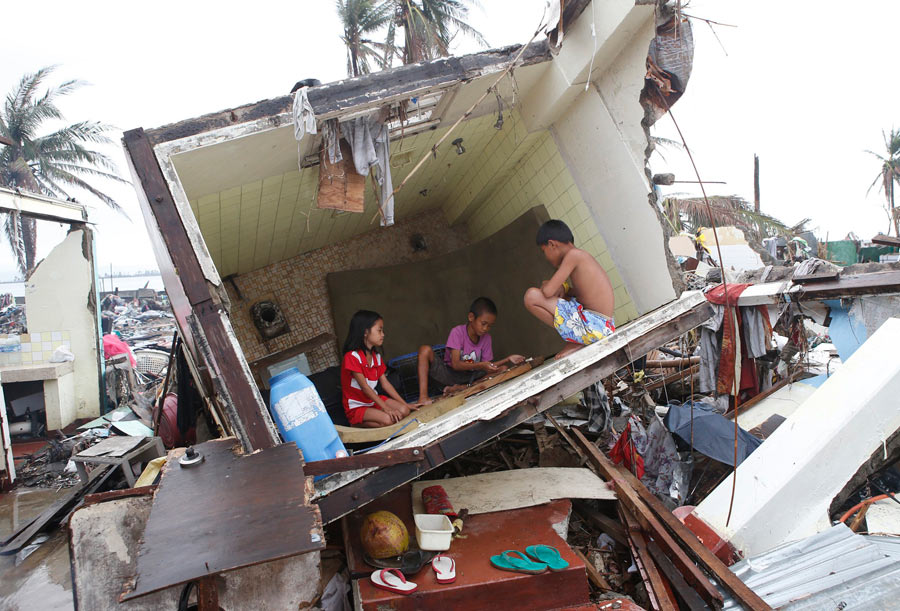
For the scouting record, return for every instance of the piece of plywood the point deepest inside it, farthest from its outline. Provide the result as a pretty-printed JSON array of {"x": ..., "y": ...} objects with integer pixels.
[
  {"x": 504, "y": 490},
  {"x": 112, "y": 446},
  {"x": 228, "y": 512},
  {"x": 354, "y": 434},
  {"x": 340, "y": 187}
]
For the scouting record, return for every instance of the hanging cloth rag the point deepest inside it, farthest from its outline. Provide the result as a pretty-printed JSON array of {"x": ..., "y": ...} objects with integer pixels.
[
  {"x": 304, "y": 116},
  {"x": 331, "y": 138},
  {"x": 730, "y": 351},
  {"x": 369, "y": 139}
]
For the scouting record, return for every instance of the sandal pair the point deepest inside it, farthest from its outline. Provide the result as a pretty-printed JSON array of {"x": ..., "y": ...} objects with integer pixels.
[
  {"x": 539, "y": 558},
  {"x": 394, "y": 581}
]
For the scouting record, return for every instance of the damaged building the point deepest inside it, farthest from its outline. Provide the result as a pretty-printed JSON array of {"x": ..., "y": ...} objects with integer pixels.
[{"x": 409, "y": 192}]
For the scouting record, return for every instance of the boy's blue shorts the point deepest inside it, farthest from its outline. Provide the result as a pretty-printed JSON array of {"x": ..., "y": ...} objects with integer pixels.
[{"x": 580, "y": 326}]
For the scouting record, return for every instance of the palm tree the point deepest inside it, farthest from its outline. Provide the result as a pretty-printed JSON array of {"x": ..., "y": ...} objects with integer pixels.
[
  {"x": 360, "y": 19},
  {"x": 690, "y": 214},
  {"x": 430, "y": 25},
  {"x": 889, "y": 174},
  {"x": 50, "y": 164}
]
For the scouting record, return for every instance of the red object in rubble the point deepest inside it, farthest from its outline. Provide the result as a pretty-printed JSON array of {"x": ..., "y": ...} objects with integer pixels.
[
  {"x": 168, "y": 425},
  {"x": 437, "y": 501},
  {"x": 625, "y": 452}
]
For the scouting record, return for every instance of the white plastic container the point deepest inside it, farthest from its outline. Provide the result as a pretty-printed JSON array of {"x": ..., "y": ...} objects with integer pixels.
[{"x": 433, "y": 532}]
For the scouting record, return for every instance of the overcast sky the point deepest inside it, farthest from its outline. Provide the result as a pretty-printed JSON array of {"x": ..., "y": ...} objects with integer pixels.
[{"x": 808, "y": 87}]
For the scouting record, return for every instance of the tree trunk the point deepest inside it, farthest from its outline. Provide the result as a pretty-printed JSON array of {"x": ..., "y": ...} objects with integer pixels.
[{"x": 29, "y": 241}]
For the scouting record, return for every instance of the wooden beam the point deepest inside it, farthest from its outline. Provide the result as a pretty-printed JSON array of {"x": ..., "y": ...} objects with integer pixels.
[
  {"x": 593, "y": 574},
  {"x": 364, "y": 461},
  {"x": 248, "y": 414},
  {"x": 685, "y": 593},
  {"x": 766, "y": 393},
  {"x": 874, "y": 283},
  {"x": 886, "y": 240},
  {"x": 653, "y": 579},
  {"x": 603, "y": 522},
  {"x": 674, "y": 377},
  {"x": 672, "y": 363},
  {"x": 651, "y": 509}
]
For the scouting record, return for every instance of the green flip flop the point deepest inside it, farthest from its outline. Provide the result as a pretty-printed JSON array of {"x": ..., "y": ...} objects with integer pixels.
[
  {"x": 547, "y": 555},
  {"x": 521, "y": 564}
]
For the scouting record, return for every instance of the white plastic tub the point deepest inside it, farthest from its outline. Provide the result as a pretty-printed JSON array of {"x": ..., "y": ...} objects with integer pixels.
[{"x": 433, "y": 531}]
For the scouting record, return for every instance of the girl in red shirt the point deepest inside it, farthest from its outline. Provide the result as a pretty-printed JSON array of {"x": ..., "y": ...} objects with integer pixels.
[{"x": 362, "y": 369}]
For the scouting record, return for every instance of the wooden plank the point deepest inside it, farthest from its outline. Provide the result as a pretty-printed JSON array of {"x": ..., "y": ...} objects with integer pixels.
[
  {"x": 190, "y": 294},
  {"x": 608, "y": 525},
  {"x": 227, "y": 512},
  {"x": 686, "y": 595},
  {"x": 672, "y": 363},
  {"x": 629, "y": 498},
  {"x": 849, "y": 286},
  {"x": 111, "y": 446},
  {"x": 364, "y": 461},
  {"x": 593, "y": 574},
  {"x": 491, "y": 381},
  {"x": 353, "y": 434},
  {"x": 340, "y": 187},
  {"x": 515, "y": 488},
  {"x": 653, "y": 579},
  {"x": 815, "y": 277},
  {"x": 766, "y": 393},
  {"x": 674, "y": 377},
  {"x": 650, "y": 509},
  {"x": 886, "y": 240}
]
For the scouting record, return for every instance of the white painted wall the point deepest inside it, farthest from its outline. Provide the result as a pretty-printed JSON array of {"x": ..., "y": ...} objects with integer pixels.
[
  {"x": 785, "y": 487},
  {"x": 599, "y": 134},
  {"x": 57, "y": 297},
  {"x": 615, "y": 189}
]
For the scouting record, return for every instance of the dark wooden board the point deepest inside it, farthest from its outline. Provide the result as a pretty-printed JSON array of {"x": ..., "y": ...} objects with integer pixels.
[
  {"x": 886, "y": 240},
  {"x": 874, "y": 283},
  {"x": 190, "y": 294},
  {"x": 364, "y": 461},
  {"x": 228, "y": 512}
]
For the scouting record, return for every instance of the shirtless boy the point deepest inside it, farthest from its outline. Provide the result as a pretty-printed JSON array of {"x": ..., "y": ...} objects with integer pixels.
[{"x": 578, "y": 300}]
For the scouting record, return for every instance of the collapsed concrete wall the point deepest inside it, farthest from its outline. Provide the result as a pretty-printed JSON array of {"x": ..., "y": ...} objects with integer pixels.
[{"x": 61, "y": 310}]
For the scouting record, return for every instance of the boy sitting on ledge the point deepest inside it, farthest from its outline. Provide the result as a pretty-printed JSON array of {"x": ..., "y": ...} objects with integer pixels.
[{"x": 578, "y": 300}]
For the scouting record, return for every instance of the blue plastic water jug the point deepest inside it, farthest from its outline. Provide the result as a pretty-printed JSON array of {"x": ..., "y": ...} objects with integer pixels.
[{"x": 301, "y": 417}]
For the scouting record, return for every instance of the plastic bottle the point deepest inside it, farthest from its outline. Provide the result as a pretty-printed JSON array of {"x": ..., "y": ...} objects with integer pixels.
[{"x": 301, "y": 417}]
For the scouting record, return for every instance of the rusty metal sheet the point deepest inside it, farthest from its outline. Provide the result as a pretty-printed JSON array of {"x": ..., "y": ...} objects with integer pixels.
[{"x": 228, "y": 512}]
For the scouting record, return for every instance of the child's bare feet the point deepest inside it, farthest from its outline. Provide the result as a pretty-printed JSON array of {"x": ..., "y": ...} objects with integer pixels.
[
  {"x": 423, "y": 401},
  {"x": 569, "y": 349}
]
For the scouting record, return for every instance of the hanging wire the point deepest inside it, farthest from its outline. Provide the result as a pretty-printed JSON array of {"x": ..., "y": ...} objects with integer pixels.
[{"x": 727, "y": 304}]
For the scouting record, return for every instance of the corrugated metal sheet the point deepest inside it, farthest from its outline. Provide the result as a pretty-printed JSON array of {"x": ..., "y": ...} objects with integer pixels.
[{"x": 834, "y": 569}]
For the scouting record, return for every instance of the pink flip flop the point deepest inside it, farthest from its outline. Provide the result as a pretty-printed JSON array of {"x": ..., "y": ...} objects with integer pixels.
[
  {"x": 444, "y": 568},
  {"x": 392, "y": 580}
]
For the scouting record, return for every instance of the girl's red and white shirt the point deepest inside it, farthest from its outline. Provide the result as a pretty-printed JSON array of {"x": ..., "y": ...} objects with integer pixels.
[{"x": 356, "y": 361}]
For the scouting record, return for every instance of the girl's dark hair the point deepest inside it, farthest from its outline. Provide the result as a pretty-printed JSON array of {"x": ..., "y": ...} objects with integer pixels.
[{"x": 361, "y": 322}]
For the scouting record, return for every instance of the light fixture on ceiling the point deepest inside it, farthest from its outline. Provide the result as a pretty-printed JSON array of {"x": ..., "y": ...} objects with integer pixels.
[{"x": 460, "y": 149}]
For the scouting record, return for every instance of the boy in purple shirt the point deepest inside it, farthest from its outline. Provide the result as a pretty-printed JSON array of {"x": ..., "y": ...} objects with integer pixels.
[{"x": 468, "y": 356}]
